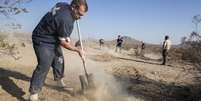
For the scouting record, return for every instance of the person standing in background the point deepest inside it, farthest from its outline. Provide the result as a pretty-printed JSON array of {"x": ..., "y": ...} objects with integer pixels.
[
  {"x": 101, "y": 43},
  {"x": 142, "y": 48},
  {"x": 119, "y": 44},
  {"x": 165, "y": 49}
]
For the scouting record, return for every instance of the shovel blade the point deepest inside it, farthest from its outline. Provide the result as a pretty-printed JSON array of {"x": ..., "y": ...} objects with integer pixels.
[{"x": 83, "y": 83}]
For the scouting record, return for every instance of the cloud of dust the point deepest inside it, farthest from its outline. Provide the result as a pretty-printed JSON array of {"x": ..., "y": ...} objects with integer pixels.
[{"x": 108, "y": 88}]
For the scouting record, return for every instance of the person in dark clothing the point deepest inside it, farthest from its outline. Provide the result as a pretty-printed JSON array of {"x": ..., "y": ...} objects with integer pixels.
[
  {"x": 119, "y": 44},
  {"x": 142, "y": 48},
  {"x": 101, "y": 43},
  {"x": 143, "y": 45},
  {"x": 52, "y": 32}
]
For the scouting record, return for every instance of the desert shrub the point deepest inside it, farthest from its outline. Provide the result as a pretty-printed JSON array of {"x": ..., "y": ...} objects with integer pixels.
[
  {"x": 2, "y": 43},
  {"x": 190, "y": 49},
  {"x": 192, "y": 52},
  {"x": 176, "y": 54},
  {"x": 7, "y": 48}
]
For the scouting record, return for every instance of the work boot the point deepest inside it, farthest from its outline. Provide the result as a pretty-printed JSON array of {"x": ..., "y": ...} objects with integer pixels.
[{"x": 33, "y": 97}]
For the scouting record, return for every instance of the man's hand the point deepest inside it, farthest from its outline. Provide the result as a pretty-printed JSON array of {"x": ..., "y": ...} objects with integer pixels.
[
  {"x": 68, "y": 46},
  {"x": 82, "y": 55}
]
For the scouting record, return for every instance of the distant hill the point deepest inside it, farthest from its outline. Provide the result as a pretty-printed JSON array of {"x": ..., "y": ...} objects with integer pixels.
[
  {"x": 128, "y": 43},
  {"x": 127, "y": 39},
  {"x": 130, "y": 40}
]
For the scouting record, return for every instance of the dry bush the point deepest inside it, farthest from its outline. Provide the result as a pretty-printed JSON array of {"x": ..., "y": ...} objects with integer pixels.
[
  {"x": 175, "y": 55},
  {"x": 11, "y": 7},
  {"x": 8, "y": 49},
  {"x": 192, "y": 52},
  {"x": 189, "y": 50},
  {"x": 2, "y": 42}
]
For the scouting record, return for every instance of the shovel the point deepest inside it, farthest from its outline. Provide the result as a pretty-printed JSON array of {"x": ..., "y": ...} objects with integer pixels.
[{"x": 87, "y": 80}]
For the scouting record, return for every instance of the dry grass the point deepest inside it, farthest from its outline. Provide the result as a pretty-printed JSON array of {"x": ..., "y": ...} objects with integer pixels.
[
  {"x": 103, "y": 57},
  {"x": 189, "y": 50},
  {"x": 8, "y": 49}
]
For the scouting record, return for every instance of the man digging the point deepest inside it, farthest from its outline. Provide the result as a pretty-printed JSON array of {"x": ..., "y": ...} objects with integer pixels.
[{"x": 52, "y": 32}]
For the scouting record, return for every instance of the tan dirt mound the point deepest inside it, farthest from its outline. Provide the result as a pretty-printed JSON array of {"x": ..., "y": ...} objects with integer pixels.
[{"x": 103, "y": 57}]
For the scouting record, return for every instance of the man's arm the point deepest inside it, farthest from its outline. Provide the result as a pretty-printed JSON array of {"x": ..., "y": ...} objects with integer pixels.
[{"x": 68, "y": 46}]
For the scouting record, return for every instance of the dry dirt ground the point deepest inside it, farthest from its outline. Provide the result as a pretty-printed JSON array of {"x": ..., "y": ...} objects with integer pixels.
[{"x": 118, "y": 77}]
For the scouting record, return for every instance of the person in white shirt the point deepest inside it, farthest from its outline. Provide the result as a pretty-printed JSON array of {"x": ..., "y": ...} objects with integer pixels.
[{"x": 165, "y": 49}]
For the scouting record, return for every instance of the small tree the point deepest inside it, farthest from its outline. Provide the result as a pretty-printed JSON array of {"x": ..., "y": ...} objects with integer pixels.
[
  {"x": 12, "y": 7},
  {"x": 196, "y": 21}
]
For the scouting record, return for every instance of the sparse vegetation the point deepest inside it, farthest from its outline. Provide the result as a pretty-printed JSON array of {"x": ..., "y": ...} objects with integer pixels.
[
  {"x": 8, "y": 49},
  {"x": 189, "y": 50},
  {"x": 11, "y": 7}
]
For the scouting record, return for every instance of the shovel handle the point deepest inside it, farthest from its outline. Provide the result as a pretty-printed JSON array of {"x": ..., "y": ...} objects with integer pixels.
[
  {"x": 81, "y": 45},
  {"x": 79, "y": 34}
]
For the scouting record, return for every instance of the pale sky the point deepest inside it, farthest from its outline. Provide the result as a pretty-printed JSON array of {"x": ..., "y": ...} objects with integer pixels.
[{"x": 145, "y": 20}]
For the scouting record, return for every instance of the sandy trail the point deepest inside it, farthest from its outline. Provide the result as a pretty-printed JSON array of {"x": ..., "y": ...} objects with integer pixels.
[
  {"x": 18, "y": 73},
  {"x": 15, "y": 75}
]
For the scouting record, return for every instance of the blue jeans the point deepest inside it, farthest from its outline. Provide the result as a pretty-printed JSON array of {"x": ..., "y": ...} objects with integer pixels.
[{"x": 47, "y": 57}]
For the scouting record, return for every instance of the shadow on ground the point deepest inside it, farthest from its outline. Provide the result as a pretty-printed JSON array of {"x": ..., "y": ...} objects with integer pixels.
[
  {"x": 151, "y": 90},
  {"x": 9, "y": 85},
  {"x": 138, "y": 61}
]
